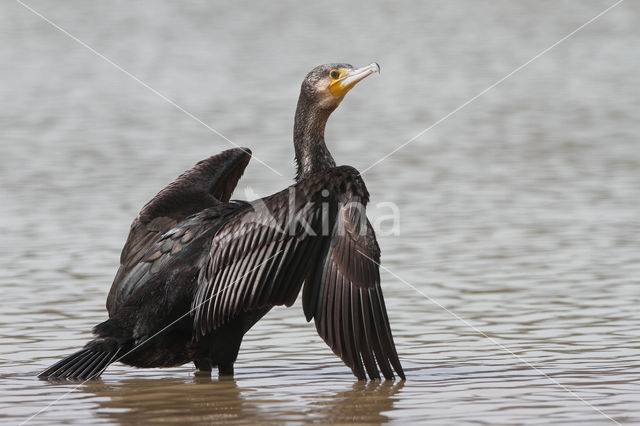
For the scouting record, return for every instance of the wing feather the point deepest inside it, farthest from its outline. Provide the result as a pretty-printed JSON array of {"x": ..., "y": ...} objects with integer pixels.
[
  {"x": 349, "y": 309},
  {"x": 207, "y": 184},
  {"x": 258, "y": 260}
]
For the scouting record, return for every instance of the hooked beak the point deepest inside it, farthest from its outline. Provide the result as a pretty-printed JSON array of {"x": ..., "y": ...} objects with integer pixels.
[{"x": 341, "y": 86}]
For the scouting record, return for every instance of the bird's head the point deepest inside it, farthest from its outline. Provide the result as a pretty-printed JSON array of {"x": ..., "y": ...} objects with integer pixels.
[{"x": 327, "y": 84}]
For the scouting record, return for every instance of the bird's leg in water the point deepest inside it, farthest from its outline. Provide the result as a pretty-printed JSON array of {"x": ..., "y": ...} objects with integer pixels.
[
  {"x": 227, "y": 357},
  {"x": 225, "y": 369},
  {"x": 226, "y": 347},
  {"x": 203, "y": 366}
]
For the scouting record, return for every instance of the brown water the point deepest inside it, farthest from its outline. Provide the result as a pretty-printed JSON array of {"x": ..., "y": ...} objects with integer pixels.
[{"x": 520, "y": 213}]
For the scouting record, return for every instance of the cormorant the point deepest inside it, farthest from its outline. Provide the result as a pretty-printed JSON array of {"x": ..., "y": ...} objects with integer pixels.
[{"x": 198, "y": 271}]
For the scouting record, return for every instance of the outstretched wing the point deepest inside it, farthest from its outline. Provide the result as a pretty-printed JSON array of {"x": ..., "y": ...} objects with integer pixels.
[
  {"x": 345, "y": 298},
  {"x": 208, "y": 183},
  {"x": 262, "y": 256}
]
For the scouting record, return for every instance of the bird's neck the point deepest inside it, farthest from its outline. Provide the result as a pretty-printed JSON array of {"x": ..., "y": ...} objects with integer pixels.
[{"x": 312, "y": 154}]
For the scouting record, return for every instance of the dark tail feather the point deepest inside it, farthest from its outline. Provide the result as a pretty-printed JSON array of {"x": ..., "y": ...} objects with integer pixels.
[{"x": 85, "y": 364}]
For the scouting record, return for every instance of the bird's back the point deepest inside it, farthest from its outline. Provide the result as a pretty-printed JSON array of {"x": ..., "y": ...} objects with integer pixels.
[{"x": 169, "y": 266}]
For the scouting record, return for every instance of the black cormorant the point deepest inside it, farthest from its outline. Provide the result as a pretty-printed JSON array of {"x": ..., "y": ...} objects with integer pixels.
[{"x": 198, "y": 271}]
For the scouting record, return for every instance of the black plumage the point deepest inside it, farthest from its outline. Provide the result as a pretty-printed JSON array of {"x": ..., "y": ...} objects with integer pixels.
[{"x": 198, "y": 271}]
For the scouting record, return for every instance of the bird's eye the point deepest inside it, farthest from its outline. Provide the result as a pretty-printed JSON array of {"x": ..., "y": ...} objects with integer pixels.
[{"x": 334, "y": 74}]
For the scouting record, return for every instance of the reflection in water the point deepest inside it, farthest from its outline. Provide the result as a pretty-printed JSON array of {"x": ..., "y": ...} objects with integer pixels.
[
  {"x": 203, "y": 399},
  {"x": 365, "y": 402},
  {"x": 171, "y": 400}
]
